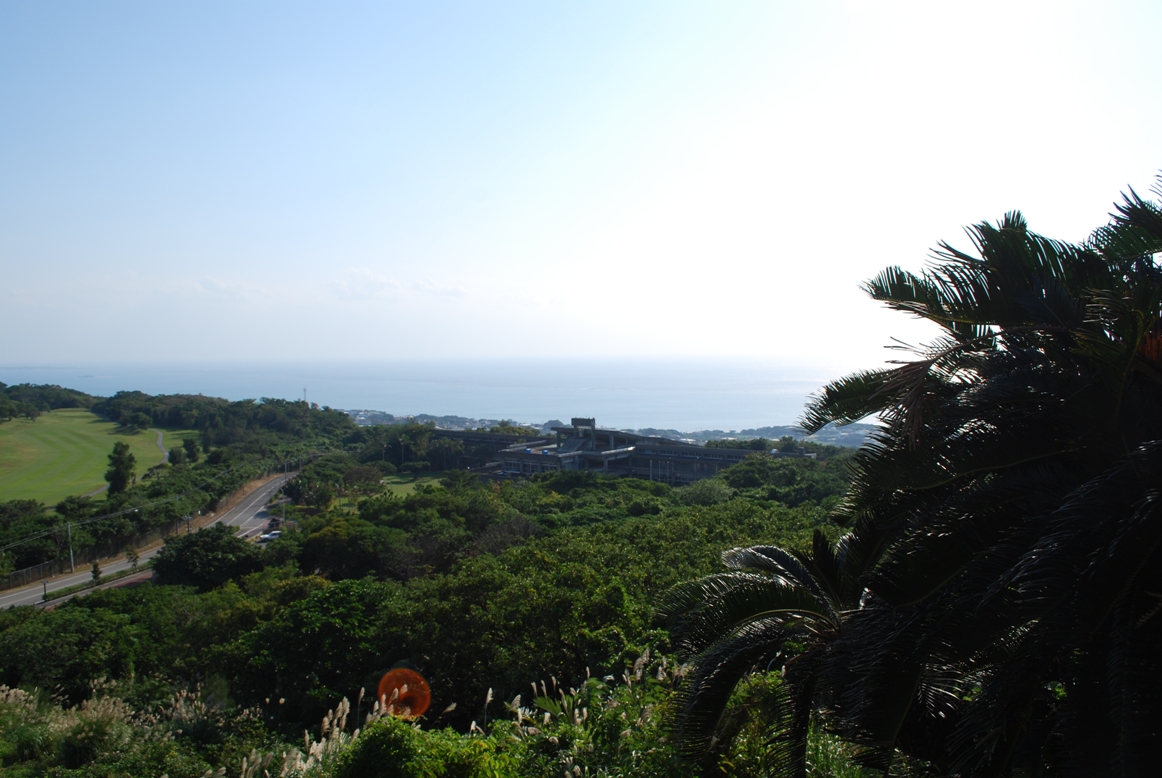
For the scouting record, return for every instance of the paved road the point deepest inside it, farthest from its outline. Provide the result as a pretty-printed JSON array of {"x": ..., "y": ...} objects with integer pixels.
[
  {"x": 249, "y": 516},
  {"x": 161, "y": 445}
]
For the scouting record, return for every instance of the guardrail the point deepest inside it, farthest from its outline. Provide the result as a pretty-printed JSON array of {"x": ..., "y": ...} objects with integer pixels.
[{"x": 86, "y": 556}]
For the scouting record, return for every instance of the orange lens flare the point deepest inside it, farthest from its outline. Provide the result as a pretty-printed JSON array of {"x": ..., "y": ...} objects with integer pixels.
[{"x": 404, "y": 693}]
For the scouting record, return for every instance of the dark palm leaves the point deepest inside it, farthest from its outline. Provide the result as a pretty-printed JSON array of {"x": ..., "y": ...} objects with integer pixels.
[
  {"x": 776, "y": 609},
  {"x": 1011, "y": 508},
  {"x": 997, "y": 605}
]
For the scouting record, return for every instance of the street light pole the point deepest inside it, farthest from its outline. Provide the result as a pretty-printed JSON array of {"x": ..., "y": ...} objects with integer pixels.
[{"x": 72, "y": 565}]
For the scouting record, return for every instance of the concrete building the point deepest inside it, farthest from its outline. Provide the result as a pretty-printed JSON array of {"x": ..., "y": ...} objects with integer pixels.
[{"x": 584, "y": 446}]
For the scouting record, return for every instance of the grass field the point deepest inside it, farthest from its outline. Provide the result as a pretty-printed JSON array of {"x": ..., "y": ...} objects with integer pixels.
[
  {"x": 400, "y": 485},
  {"x": 66, "y": 452},
  {"x": 405, "y": 483}
]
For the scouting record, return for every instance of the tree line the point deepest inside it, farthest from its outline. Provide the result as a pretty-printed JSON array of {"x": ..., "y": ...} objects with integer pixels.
[{"x": 28, "y": 401}]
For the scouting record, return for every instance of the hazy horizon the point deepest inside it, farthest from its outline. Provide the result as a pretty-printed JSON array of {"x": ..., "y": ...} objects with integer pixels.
[{"x": 683, "y": 394}]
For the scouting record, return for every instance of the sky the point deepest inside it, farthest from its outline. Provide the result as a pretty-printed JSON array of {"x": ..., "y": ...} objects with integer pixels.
[{"x": 248, "y": 181}]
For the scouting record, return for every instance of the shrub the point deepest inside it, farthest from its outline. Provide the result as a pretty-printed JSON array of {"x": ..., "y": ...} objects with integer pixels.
[
  {"x": 100, "y": 731},
  {"x": 392, "y": 748},
  {"x": 206, "y": 559}
]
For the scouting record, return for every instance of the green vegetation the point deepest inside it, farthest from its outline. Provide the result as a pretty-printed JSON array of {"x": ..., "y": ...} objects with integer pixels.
[
  {"x": 975, "y": 592},
  {"x": 252, "y": 439},
  {"x": 405, "y": 484},
  {"x": 29, "y": 401},
  {"x": 484, "y": 588},
  {"x": 509, "y": 427},
  {"x": 205, "y": 561},
  {"x": 65, "y": 452},
  {"x": 122, "y": 469},
  {"x": 785, "y": 444}
]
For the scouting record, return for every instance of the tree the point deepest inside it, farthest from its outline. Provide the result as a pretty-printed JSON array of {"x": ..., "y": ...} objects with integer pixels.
[
  {"x": 121, "y": 468},
  {"x": 192, "y": 449},
  {"x": 206, "y": 559},
  {"x": 69, "y": 648},
  {"x": 10, "y": 409},
  {"x": 177, "y": 455},
  {"x": 779, "y": 610},
  {"x": 137, "y": 420},
  {"x": 1016, "y": 492},
  {"x": 510, "y": 427},
  {"x": 316, "y": 650},
  {"x": 404, "y": 442},
  {"x": 445, "y": 448},
  {"x": 1003, "y": 615}
]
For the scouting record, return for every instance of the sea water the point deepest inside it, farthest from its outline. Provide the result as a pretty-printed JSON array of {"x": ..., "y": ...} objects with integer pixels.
[{"x": 686, "y": 395}]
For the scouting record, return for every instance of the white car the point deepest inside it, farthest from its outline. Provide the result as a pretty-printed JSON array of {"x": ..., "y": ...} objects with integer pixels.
[{"x": 274, "y": 535}]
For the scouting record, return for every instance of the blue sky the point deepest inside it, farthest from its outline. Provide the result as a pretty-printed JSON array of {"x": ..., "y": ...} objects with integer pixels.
[{"x": 196, "y": 181}]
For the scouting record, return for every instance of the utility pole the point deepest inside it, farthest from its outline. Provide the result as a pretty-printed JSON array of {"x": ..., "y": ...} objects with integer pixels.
[{"x": 72, "y": 565}]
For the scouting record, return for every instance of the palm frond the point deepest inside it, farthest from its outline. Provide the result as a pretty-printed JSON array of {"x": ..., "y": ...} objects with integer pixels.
[
  {"x": 847, "y": 400},
  {"x": 707, "y": 690},
  {"x": 700, "y": 612},
  {"x": 785, "y": 564}
]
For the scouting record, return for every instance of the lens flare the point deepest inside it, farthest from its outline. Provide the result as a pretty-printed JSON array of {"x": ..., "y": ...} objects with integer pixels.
[{"x": 404, "y": 693}]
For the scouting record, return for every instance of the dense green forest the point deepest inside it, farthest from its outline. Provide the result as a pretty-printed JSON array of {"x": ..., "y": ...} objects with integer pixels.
[
  {"x": 484, "y": 588},
  {"x": 975, "y": 592}
]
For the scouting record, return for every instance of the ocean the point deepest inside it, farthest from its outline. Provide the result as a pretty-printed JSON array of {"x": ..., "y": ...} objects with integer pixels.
[{"x": 686, "y": 395}]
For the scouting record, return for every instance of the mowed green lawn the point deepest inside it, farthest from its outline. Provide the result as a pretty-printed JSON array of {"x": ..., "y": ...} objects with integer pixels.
[
  {"x": 66, "y": 452},
  {"x": 404, "y": 484}
]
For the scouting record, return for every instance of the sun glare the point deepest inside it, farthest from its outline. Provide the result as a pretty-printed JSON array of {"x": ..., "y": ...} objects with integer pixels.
[{"x": 404, "y": 693}]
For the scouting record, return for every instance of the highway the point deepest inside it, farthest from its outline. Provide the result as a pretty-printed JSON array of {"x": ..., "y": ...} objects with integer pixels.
[{"x": 249, "y": 516}]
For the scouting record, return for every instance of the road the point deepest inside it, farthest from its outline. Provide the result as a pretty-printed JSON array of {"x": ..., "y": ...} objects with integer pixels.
[
  {"x": 161, "y": 445},
  {"x": 249, "y": 516}
]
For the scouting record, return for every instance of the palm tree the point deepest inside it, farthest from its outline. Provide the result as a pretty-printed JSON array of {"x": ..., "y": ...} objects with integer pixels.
[
  {"x": 776, "y": 609},
  {"x": 445, "y": 447},
  {"x": 404, "y": 442},
  {"x": 454, "y": 448},
  {"x": 998, "y": 604},
  {"x": 1017, "y": 489}
]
